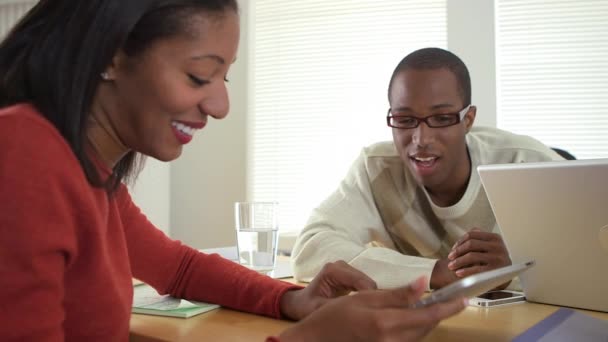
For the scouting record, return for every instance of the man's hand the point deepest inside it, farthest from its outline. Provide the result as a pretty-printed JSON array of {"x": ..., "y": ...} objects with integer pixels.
[
  {"x": 478, "y": 251},
  {"x": 335, "y": 279},
  {"x": 378, "y": 315}
]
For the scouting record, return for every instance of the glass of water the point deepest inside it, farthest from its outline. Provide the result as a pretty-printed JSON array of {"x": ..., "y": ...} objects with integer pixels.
[{"x": 257, "y": 232}]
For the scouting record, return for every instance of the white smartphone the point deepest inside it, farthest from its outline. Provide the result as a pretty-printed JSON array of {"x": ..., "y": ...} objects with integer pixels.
[
  {"x": 474, "y": 285},
  {"x": 494, "y": 298}
]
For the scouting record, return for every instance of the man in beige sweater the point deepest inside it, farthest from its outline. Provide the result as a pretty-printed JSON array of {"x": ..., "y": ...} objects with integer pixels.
[{"x": 415, "y": 206}]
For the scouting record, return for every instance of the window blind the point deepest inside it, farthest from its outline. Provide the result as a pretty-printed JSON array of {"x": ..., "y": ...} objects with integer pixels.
[
  {"x": 552, "y": 72},
  {"x": 318, "y": 84}
]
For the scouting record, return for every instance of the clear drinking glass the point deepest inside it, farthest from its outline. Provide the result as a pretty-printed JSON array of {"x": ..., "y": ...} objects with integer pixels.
[{"x": 257, "y": 234}]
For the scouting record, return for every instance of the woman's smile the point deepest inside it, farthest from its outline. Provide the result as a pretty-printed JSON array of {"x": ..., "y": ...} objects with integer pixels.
[{"x": 184, "y": 130}]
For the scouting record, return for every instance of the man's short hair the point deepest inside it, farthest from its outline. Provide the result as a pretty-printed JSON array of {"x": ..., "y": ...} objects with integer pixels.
[{"x": 436, "y": 58}]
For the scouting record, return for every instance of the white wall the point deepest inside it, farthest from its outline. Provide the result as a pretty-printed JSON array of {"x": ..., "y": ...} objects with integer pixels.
[{"x": 151, "y": 193}]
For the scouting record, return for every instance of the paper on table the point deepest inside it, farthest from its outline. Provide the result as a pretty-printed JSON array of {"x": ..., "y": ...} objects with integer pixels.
[{"x": 147, "y": 301}]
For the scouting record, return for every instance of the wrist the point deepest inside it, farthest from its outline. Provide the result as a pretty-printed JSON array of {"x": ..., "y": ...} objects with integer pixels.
[
  {"x": 289, "y": 306},
  {"x": 441, "y": 275},
  {"x": 434, "y": 280}
]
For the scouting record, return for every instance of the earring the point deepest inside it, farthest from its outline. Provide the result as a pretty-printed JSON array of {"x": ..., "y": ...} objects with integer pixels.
[{"x": 105, "y": 76}]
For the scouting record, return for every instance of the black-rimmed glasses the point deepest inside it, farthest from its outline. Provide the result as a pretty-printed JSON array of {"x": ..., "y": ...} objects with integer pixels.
[{"x": 396, "y": 120}]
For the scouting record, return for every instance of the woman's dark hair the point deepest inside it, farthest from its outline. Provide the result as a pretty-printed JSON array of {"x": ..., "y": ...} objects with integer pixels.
[
  {"x": 436, "y": 58},
  {"x": 54, "y": 55}
]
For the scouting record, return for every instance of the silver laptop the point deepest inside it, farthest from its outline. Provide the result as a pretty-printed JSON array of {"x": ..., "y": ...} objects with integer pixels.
[{"x": 555, "y": 213}]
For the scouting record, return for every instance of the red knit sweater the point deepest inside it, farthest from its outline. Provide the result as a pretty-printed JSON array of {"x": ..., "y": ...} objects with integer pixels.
[{"x": 68, "y": 250}]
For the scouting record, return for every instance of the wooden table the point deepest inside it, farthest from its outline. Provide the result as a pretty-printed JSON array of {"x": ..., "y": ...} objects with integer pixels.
[
  {"x": 217, "y": 325},
  {"x": 473, "y": 324}
]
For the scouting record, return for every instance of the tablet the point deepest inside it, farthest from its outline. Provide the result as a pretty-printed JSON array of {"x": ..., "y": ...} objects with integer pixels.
[{"x": 475, "y": 284}]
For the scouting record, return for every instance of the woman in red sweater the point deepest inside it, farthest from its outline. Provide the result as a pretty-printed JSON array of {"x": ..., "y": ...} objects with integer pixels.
[{"x": 85, "y": 88}]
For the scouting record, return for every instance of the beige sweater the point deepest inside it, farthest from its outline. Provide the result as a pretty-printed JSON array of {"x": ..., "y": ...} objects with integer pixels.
[{"x": 383, "y": 223}]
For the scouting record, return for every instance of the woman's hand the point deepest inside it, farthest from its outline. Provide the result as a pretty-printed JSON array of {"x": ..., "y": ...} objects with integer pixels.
[
  {"x": 335, "y": 279},
  {"x": 379, "y": 315}
]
